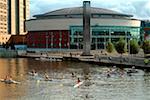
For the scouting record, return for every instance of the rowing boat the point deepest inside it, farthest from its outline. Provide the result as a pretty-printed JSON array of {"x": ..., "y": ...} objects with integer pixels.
[
  {"x": 33, "y": 74},
  {"x": 77, "y": 85},
  {"x": 9, "y": 81}
]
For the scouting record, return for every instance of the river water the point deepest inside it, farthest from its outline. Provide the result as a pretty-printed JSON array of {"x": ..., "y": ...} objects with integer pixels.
[{"x": 97, "y": 85}]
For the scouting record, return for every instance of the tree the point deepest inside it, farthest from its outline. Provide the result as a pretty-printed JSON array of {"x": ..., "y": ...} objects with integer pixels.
[
  {"x": 121, "y": 46},
  {"x": 109, "y": 47},
  {"x": 134, "y": 47},
  {"x": 146, "y": 47}
]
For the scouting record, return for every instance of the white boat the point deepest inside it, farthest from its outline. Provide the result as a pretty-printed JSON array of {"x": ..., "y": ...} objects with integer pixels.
[
  {"x": 33, "y": 74},
  {"x": 9, "y": 81},
  {"x": 78, "y": 84},
  {"x": 49, "y": 58}
]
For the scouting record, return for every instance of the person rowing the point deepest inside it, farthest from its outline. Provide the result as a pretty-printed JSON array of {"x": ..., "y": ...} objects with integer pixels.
[
  {"x": 73, "y": 75},
  {"x": 9, "y": 80},
  {"x": 33, "y": 73},
  {"x": 132, "y": 70},
  {"x": 47, "y": 78},
  {"x": 78, "y": 81}
]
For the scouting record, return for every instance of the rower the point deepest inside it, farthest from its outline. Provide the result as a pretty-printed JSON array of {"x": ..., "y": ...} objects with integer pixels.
[
  {"x": 132, "y": 70},
  {"x": 78, "y": 81},
  {"x": 8, "y": 78},
  {"x": 33, "y": 72},
  {"x": 46, "y": 76},
  {"x": 72, "y": 74}
]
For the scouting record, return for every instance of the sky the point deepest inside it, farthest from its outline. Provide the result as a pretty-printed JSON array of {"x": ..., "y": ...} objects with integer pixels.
[{"x": 140, "y": 9}]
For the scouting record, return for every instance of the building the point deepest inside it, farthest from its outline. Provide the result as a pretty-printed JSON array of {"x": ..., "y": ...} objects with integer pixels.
[
  {"x": 17, "y": 42},
  {"x": 63, "y": 28},
  {"x": 3, "y": 17},
  {"x": 18, "y": 12},
  {"x": 13, "y": 14},
  {"x": 3, "y": 22},
  {"x": 145, "y": 24}
]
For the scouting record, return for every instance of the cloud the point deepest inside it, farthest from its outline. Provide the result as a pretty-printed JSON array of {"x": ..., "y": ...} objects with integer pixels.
[{"x": 138, "y": 8}]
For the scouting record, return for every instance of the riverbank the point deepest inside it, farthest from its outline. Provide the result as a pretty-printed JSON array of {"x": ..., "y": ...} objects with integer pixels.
[
  {"x": 7, "y": 53},
  {"x": 99, "y": 58}
]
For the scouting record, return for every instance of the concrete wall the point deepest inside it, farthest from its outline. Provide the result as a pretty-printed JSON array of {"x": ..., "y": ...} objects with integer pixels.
[{"x": 64, "y": 24}]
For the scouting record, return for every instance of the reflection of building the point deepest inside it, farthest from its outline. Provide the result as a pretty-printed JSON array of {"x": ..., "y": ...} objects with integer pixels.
[
  {"x": 13, "y": 14},
  {"x": 146, "y": 29},
  {"x": 63, "y": 28}
]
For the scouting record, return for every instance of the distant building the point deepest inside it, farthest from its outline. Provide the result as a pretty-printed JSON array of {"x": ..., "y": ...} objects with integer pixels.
[
  {"x": 18, "y": 12},
  {"x": 3, "y": 17},
  {"x": 63, "y": 28},
  {"x": 17, "y": 42},
  {"x": 17, "y": 39},
  {"x": 146, "y": 29},
  {"x": 13, "y": 14},
  {"x": 3, "y": 22}
]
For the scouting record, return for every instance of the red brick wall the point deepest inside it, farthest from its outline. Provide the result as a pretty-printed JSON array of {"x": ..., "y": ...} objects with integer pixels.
[{"x": 55, "y": 37}]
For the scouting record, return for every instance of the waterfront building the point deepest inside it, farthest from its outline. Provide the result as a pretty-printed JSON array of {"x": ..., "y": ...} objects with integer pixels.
[
  {"x": 13, "y": 14},
  {"x": 18, "y": 12},
  {"x": 145, "y": 24},
  {"x": 3, "y": 22},
  {"x": 63, "y": 28},
  {"x": 3, "y": 17}
]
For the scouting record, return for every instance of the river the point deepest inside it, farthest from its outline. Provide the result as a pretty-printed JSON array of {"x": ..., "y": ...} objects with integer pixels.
[{"x": 97, "y": 86}]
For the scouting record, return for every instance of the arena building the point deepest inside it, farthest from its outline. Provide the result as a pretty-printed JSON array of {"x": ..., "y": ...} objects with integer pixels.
[
  {"x": 145, "y": 24},
  {"x": 63, "y": 28}
]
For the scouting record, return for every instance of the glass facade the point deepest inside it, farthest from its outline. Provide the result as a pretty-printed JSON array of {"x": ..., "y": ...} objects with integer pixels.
[
  {"x": 100, "y": 35},
  {"x": 145, "y": 30}
]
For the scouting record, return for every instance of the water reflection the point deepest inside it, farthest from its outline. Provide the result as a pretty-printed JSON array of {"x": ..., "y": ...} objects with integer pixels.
[{"x": 96, "y": 86}]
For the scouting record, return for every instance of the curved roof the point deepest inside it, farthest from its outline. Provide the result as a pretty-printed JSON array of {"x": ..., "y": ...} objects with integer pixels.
[{"x": 79, "y": 11}]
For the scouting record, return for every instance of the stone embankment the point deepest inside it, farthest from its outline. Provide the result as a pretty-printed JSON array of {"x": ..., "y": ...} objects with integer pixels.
[
  {"x": 100, "y": 58},
  {"x": 7, "y": 53}
]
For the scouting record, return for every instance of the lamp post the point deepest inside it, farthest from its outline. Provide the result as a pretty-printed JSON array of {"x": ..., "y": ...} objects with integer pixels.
[
  {"x": 129, "y": 49},
  {"x": 52, "y": 40},
  {"x": 46, "y": 43}
]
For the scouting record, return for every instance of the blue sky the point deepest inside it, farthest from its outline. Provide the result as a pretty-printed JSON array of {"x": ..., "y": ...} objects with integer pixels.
[{"x": 139, "y": 8}]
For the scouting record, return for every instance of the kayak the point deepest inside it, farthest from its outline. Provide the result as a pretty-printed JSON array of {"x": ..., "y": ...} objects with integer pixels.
[
  {"x": 77, "y": 85},
  {"x": 9, "y": 81},
  {"x": 48, "y": 80},
  {"x": 33, "y": 74}
]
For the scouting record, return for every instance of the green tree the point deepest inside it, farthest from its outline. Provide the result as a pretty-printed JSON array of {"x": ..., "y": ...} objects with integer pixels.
[
  {"x": 146, "y": 47},
  {"x": 134, "y": 46},
  {"x": 110, "y": 47},
  {"x": 121, "y": 46}
]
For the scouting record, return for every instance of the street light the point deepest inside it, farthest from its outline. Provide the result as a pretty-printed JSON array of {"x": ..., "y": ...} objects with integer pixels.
[
  {"x": 46, "y": 42},
  {"x": 129, "y": 49}
]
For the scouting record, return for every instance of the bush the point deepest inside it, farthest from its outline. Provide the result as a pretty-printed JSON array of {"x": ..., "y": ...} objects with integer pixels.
[
  {"x": 146, "y": 47},
  {"x": 109, "y": 47},
  {"x": 134, "y": 47},
  {"x": 121, "y": 46}
]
